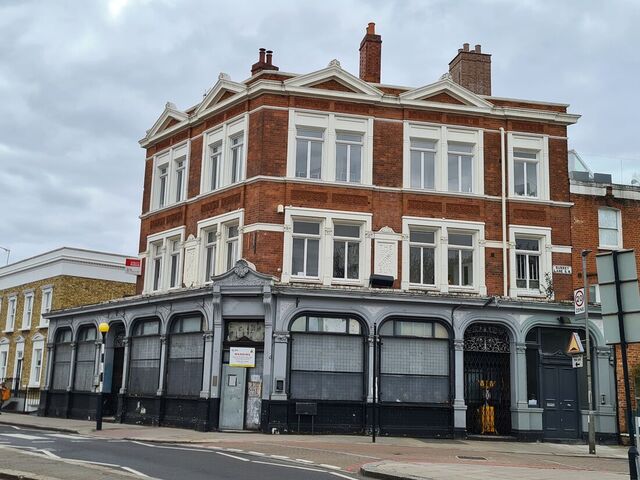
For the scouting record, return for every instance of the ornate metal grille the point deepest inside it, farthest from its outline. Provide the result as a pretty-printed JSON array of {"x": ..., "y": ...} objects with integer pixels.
[{"x": 487, "y": 380}]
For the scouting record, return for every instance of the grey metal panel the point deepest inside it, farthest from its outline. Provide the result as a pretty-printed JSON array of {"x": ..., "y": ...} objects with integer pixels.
[
  {"x": 414, "y": 356},
  {"x": 233, "y": 393},
  {"x": 327, "y": 353}
]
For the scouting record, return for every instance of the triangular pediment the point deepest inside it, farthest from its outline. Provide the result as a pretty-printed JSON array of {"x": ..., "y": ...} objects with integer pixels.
[
  {"x": 170, "y": 116},
  {"x": 223, "y": 89},
  {"x": 243, "y": 274},
  {"x": 333, "y": 78},
  {"x": 446, "y": 90}
]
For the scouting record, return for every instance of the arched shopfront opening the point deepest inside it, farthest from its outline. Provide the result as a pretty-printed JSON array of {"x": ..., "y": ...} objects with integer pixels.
[{"x": 487, "y": 380}]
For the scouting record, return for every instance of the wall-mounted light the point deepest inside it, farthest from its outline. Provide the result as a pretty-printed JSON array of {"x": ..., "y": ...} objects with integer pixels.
[{"x": 603, "y": 399}]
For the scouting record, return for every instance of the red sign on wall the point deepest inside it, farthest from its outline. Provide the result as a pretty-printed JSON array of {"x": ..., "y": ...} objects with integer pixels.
[{"x": 133, "y": 266}]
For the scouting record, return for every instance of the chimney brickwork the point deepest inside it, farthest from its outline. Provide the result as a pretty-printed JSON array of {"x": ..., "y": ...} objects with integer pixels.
[
  {"x": 370, "y": 55},
  {"x": 472, "y": 69},
  {"x": 265, "y": 62}
]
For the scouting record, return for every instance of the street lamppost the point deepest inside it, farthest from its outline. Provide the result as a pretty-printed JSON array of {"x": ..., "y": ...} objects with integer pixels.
[
  {"x": 103, "y": 328},
  {"x": 592, "y": 428}
]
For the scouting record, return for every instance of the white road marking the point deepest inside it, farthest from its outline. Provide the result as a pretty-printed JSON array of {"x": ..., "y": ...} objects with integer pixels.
[
  {"x": 303, "y": 460},
  {"x": 332, "y": 467},
  {"x": 342, "y": 475},
  {"x": 22, "y": 436},
  {"x": 43, "y": 441},
  {"x": 49, "y": 454},
  {"x": 260, "y": 454},
  {"x": 91, "y": 462},
  {"x": 135, "y": 472},
  {"x": 237, "y": 450},
  {"x": 69, "y": 437},
  {"x": 233, "y": 456},
  {"x": 14, "y": 427},
  {"x": 288, "y": 466},
  {"x": 281, "y": 457}
]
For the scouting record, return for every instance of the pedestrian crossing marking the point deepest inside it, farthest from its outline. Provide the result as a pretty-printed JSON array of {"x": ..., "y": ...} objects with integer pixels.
[
  {"x": 23, "y": 436},
  {"x": 68, "y": 437}
]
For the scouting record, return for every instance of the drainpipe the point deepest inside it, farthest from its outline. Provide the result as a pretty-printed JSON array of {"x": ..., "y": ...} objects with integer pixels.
[{"x": 504, "y": 214}]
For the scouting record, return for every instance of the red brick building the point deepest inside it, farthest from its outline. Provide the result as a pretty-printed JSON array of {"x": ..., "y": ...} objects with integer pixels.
[{"x": 416, "y": 228}]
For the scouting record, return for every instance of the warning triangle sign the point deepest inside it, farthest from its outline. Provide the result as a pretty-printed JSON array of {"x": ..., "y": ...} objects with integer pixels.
[{"x": 575, "y": 345}]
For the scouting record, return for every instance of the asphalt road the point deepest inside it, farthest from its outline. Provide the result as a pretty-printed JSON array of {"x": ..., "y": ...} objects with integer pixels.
[{"x": 166, "y": 461}]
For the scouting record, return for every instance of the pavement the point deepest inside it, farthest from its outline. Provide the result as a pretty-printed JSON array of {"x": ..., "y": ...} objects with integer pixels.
[{"x": 389, "y": 458}]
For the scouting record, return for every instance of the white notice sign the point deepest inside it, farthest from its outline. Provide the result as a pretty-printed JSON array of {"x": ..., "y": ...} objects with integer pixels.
[
  {"x": 562, "y": 269},
  {"x": 577, "y": 361},
  {"x": 242, "y": 357}
]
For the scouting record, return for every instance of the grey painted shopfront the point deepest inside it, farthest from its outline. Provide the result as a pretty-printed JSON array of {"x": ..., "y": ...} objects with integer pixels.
[{"x": 446, "y": 365}]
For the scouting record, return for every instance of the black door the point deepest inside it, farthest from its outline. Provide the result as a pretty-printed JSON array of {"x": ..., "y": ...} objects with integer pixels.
[
  {"x": 111, "y": 398},
  {"x": 561, "y": 415}
]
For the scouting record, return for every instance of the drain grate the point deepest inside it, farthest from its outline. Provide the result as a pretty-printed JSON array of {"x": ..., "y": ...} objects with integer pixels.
[{"x": 467, "y": 457}]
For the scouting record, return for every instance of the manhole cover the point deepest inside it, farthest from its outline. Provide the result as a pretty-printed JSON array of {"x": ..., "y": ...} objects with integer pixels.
[{"x": 468, "y": 457}]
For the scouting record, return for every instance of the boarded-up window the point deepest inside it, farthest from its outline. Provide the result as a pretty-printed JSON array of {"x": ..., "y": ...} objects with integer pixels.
[
  {"x": 144, "y": 366},
  {"x": 85, "y": 359},
  {"x": 61, "y": 360},
  {"x": 186, "y": 357}
]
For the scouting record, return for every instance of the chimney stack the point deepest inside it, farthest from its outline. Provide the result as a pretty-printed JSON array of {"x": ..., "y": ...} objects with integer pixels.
[
  {"x": 370, "y": 55},
  {"x": 472, "y": 69},
  {"x": 263, "y": 63}
]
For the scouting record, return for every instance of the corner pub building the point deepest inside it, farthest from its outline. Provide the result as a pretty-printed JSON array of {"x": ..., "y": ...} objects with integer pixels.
[{"x": 325, "y": 219}]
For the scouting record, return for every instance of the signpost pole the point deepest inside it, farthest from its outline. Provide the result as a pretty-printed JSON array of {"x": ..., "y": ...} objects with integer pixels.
[
  {"x": 375, "y": 384},
  {"x": 592, "y": 428},
  {"x": 633, "y": 451}
]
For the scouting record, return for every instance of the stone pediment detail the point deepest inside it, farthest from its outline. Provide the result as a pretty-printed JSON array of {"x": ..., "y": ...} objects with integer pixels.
[
  {"x": 335, "y": 78},
  {"x": 446, "y": 90},
  {"x": 170, "y": 116},
  {"x": 223, "y": 89},
  {"x": 243, "y": 274}
]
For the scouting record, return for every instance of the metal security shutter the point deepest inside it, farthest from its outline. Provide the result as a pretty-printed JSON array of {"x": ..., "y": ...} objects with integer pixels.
[
  {"x": 414, "y": 370},
  {"x": 184, "y": 369},
  {"x": 144, "y": 369},
  {"x": 327, "y": 367}
]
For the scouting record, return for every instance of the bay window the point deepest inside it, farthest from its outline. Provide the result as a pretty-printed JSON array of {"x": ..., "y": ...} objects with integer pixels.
[
  {"x": 349, "y": 157},
  {"x": 306, "y": 249},
  {"x": 309, "y": 152}
]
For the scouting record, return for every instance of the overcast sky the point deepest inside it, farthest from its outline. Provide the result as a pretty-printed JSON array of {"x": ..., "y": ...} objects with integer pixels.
[{"x": 81, "y": 81}]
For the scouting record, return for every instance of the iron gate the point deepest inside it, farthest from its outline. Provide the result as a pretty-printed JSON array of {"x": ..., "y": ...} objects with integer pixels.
[{"x": 486, "y": 380}]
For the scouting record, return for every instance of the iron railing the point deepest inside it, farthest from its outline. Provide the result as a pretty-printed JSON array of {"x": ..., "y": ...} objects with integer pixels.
[{"x": 22, "y": 399}]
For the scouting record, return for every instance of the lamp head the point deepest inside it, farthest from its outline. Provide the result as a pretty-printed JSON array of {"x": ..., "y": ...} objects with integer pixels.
[{"x": 103, "y": 327}]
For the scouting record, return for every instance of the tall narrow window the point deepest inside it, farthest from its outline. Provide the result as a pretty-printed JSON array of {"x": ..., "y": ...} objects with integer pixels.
[
  {"x": 179, "y": 175},
  {"x": 4, "y": 358},
  {"x": 609, "y": 228},
  {"x": 346, "y": 251},
  {"x": 163, "y": 181},
  {"x": 210, "y": 249},
  {"x": 215, "y": 157},
  {"x": 27, "y": 311},
  {"x": 348, "y": 157},
  {"x": 36, "y": 364},
  {"x": 422, "y": 257},
  {"x": 45, "y": 305},
  {"x": 528, "y": 263},
  {"x": 11, "y": 313},
  {"x": 236, "y": 158},
  {"x": 61, "y": 360},
  {"x": 144, "y": 366},
  {"x": 306, "y": 249},
  {"x": 174, "y": 260},
  {"x": 525, "y": 166},
  {"x": 156, "y": 260},
  {"x": 460, "y": 167},
  {"x": 232, "y": 245},
  {"x": 309, "y": 153},
  {"x": 185, "y": 357},
  {"x": 460, "y": 259},
  {"x": 85, "y": 359},
  {"x": 423, "y": 155}
]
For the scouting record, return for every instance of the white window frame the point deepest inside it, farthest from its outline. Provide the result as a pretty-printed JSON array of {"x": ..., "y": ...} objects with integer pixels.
[
  {"x": 349, "y": 144},
  {"x": 164, "y": 241},
  {"x": 619, "y": 229},
  {"x": 442, "y": 228},
  {"x": 347, "y": 240},
  {"x": 223, "y": 135},
  {"x": 36, "y": 376},
  {"x": 19, "y": 349},
  {"x": 543, "y": 235},
  {"x": 4, "y": 349},
  {"x": 220, "y": 224},
  {"x": 331, "y": 123},
  {"x": 442, "y": 135},
  {"x": 12, "y": 308},
  {"x": 435, "y": 245},
  {"x": 45, "y": 307},
  {"x": 327, "y": 219},
  {"x": 27, "y": 313},
  {"x": 531, "y": 143},
  {"x": 306, "y": 237},
  {"x": 170, "y": 158}
]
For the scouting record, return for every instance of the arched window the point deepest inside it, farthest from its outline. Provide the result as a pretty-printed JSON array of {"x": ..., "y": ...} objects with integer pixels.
[
  {"x": 414, "y": 362},
  {"x": 61, "y": 360},
  {"x": 327, "y": 358},
  {"x": 144, "y": 365},
  {"x": 186, "y": 356},
  {"x": 85, "y": 359}
]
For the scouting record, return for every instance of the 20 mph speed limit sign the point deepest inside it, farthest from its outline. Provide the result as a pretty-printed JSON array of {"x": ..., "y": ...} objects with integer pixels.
[{"x": 579, "y": 300}]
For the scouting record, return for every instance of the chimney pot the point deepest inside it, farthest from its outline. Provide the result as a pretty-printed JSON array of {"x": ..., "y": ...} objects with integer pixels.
[
  {"x": 472, "y": 69},
  {"x": 269, "y": 57},
  {"x": 478, "y": 49},
  {"x": 370, "y": 55},
  {"x": 261, "y": 55},
  {"x": 460, "y": 50},
  {"x": 465, "y": 47},
  {"x": 263, "y": 63}
]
